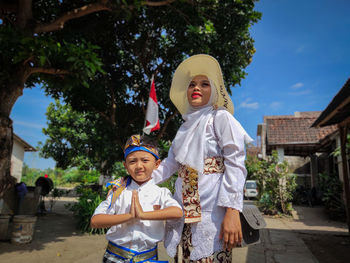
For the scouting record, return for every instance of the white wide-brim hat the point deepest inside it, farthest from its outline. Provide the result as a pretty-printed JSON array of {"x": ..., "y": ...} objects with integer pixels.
[{"x": 193, "y": 66}]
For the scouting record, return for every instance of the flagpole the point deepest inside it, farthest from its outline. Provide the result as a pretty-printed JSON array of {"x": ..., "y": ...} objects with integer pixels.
[{"x": 144, "y": 124}]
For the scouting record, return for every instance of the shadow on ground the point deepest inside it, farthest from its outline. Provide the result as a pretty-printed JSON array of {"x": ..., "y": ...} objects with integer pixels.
[
  {"x": 316, "y": 216},
  {"x": 326, "y": 247},
  {"x": 50, "y": 227},
  {"x": 287, "y": 246}
]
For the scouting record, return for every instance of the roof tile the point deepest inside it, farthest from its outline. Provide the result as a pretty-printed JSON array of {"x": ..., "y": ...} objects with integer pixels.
[{"x": 289, "y": 129}]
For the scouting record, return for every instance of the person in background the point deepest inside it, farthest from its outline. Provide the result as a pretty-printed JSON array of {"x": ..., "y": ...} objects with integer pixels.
[{"x": 21, "y": 191}]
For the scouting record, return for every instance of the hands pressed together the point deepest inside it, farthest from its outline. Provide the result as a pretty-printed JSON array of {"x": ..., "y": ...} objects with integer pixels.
[
  {"x": 231, "y": 230},
  {"x": 136, "y": 210}
]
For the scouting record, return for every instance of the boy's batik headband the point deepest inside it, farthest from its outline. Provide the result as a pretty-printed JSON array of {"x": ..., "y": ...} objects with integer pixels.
[{"x": 135, "y": 143}]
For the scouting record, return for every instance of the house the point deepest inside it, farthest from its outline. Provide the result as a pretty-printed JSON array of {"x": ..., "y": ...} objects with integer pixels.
[
  {"x": 8, "y": 204},
  {"x": 338, "y": 113},
  {"x": 19, "y": 147},
  {"x": 306, "y": 149}
]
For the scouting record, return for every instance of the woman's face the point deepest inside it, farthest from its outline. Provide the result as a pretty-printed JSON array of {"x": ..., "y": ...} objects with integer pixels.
[{"x": 199, "y": 90}]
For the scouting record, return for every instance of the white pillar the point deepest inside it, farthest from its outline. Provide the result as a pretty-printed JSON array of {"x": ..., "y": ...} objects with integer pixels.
[
  {"x": 314, "y": 170},
  {"x": 280, "y": 153}
]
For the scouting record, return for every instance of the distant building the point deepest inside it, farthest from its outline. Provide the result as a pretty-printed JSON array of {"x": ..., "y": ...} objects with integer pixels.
[
  {"x": 20, "y": 146},
  {"x": 338, "y": 113},
  {"x": 306, "y": 149}
]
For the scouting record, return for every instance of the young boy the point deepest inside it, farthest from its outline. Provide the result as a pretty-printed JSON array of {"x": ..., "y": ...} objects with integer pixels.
[{"x": 136, "y": 210}]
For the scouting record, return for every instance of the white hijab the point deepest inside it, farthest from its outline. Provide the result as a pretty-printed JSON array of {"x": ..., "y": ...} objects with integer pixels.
[{"x": 189, "y": 145}]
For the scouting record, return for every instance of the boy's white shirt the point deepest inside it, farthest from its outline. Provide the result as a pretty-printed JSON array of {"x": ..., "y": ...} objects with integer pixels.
[{"x": 138, "y": 234}]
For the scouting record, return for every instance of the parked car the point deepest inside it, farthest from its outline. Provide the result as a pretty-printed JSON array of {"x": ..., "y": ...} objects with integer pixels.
[{"x": 250, "y": 189}]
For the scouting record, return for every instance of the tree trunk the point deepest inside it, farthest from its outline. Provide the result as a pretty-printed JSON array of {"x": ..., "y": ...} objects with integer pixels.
[
  {"x": 6, "y": 142},
  {"x": 8, "y": 97}
]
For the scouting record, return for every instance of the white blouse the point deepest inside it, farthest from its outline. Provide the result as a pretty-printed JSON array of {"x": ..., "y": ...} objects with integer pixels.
[
  {"x": 216, "y": 191},
  {"x": 138, "y": 234}
]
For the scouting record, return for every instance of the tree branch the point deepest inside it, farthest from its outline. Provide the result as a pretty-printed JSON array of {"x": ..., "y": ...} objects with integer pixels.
[
  {"x": 27, "y": 60},
  {"x": 159, "y": 67},
  {"x": 8, "y": 6},
  {"x": 52, "y": 71},
  {"x": 58, "y": 24},
  {"x": 105, "y": 116},
  {"x": 161, "y": 3},
  {"x": 114, "y": 106},
  {"x": 24, "y": 13},
  {"x": 162, "y": 131}
]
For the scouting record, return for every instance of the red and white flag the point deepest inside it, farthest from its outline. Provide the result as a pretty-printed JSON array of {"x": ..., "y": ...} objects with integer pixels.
[{"x": 152, "y": 120}]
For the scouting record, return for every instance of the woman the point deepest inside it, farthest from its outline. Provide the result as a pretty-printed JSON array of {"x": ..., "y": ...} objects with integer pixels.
[{"x": 208, "y": 153}]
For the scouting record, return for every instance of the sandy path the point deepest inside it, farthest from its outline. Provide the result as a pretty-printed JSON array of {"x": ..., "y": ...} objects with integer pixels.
[{"x": 57, "y": 240}]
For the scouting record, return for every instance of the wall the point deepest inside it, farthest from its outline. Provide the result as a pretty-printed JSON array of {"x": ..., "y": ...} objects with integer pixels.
[{"x": 17, "y": 160}]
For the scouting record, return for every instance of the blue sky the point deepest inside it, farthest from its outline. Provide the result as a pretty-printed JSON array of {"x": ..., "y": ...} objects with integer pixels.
[{"x": 302, "y": 59}]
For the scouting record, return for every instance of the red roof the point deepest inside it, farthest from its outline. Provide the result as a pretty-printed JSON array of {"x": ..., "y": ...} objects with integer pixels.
[{"x": 295, "y": 129}]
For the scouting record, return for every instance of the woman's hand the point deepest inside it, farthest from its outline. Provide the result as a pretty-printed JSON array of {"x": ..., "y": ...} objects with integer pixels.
[{"x": 231, "y": 230}]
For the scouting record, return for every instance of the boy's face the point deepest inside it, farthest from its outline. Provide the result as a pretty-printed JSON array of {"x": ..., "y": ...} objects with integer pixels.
[{"x": 140, "y": 165}]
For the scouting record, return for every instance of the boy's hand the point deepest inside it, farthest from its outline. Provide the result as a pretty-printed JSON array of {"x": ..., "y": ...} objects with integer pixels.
[
  {"x": 231, "y": 230},
  {"x": 132, "y": 207},
  {"x": 138, "y": 208}
]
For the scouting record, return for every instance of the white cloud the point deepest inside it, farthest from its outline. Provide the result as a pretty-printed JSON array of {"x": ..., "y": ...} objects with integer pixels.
[
  {"x": 275, "y": 105},
  {"x": 249, "y": 105},
  {"x": 29, "y": 124},
  {"x": 300, "y": 49},
  {"x": 297, "y": 85},
  {"x": 299, "y": 93}
]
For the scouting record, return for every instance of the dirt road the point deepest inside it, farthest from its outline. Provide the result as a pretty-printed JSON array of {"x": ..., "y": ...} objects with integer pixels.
[{"x": 57, "y": 240}]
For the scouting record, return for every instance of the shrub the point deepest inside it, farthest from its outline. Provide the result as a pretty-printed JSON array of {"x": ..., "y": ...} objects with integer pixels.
[
  {"x": 170, "y": 183},
  {"x": 331, "y": 195},
  {"x": 275, "y": 184},
  {"x": 83, "y": 210}
]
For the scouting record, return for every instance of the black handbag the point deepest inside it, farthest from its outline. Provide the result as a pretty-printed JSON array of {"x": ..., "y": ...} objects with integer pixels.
[{"x": 251, "y": 221}]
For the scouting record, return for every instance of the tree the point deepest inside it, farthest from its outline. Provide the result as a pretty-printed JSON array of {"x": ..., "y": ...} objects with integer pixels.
[
  {"x": 147, "y": 37},
  {"x": 79, "y": 140},
  {"x": 146, "y": 42},
  {"x": 276, "y": 185}
]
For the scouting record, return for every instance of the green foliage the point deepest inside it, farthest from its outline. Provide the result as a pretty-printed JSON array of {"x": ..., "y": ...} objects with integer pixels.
[
  {"x": 276, "y": 185},
  {"x": 83, "y": 210},
  {"x": 170, "y": 183},
  {"x": 119, "y": 170},
  {"x": 133, "y": 46},
  {"x": 331, "y": 189},
  {"x": 60, "y": 177},
  {"x": 337, "y": 152},
  {"x": 101, "y": 62},
  {"x": 81, "y": 176},
  {"x": 29, "y": 175},
  {"x": 163, "y": 147},
  {"x": 78, "y": 139},
  {"x": 44, "y": 51}
]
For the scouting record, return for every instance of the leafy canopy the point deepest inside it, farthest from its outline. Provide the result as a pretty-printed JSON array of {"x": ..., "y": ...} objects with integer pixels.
[{"x": 108, "y": 59}]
